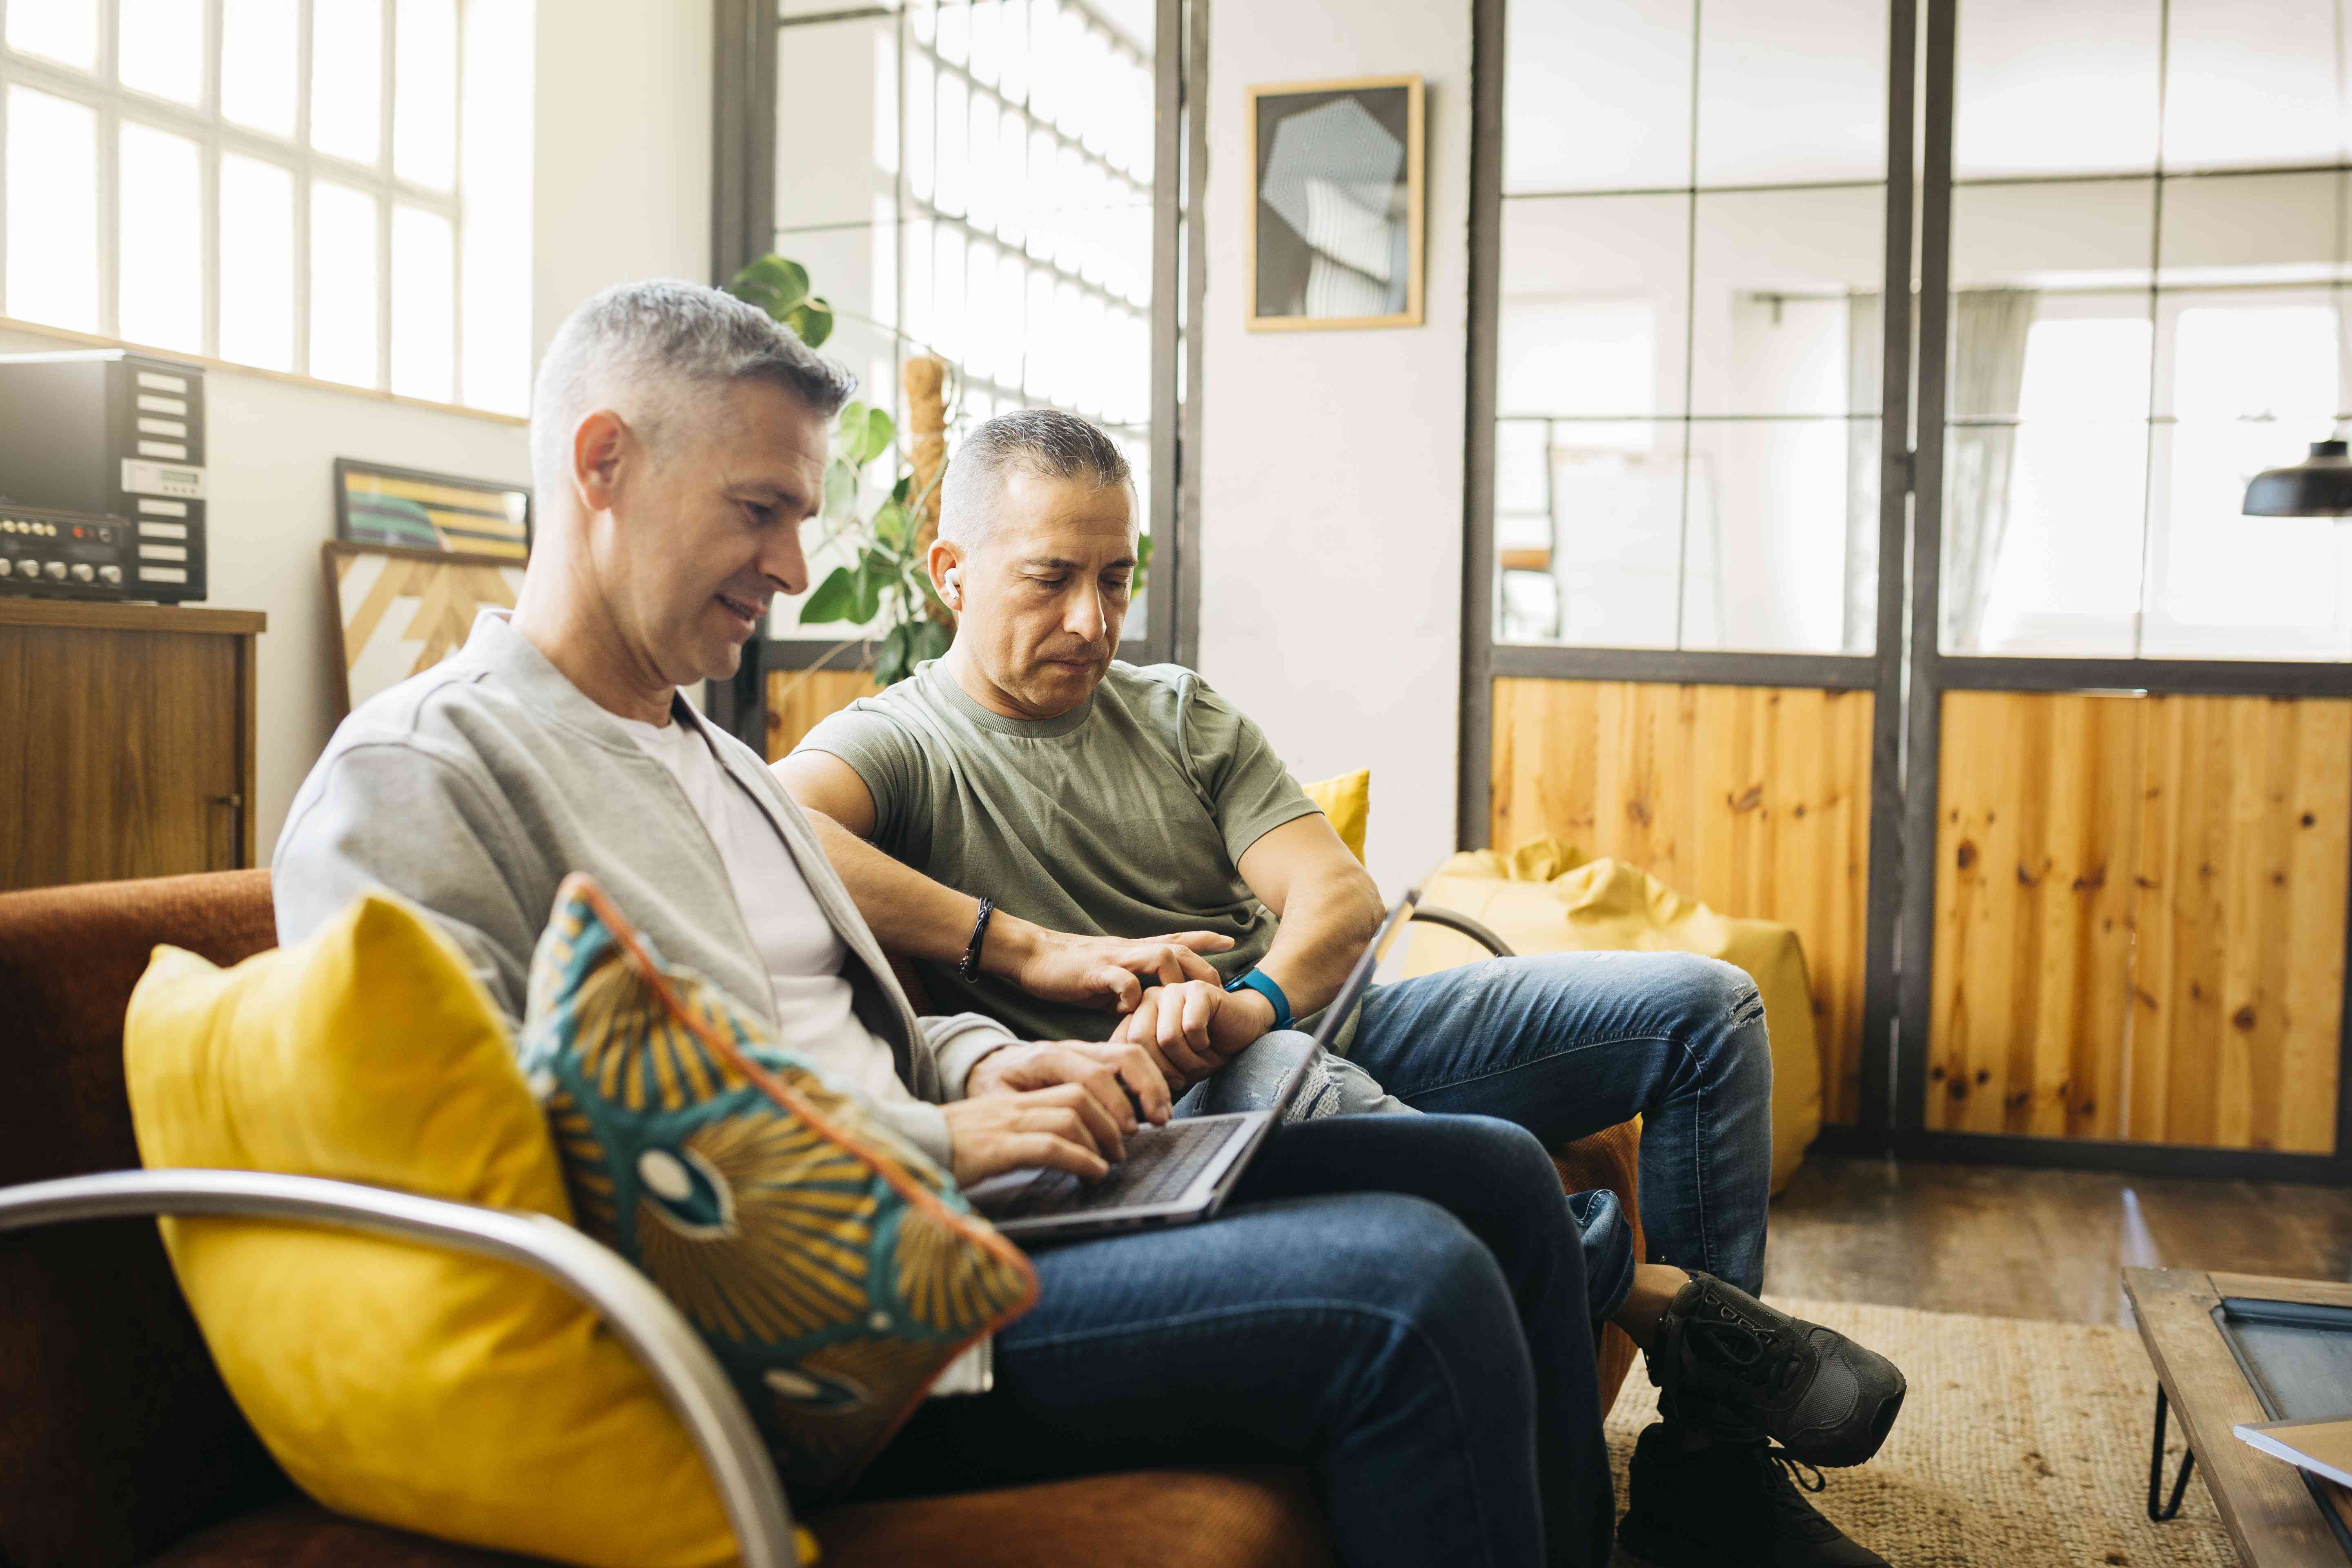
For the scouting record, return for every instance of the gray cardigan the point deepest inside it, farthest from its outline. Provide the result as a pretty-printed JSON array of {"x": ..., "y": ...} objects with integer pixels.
[{"x": 474, "y": 789}]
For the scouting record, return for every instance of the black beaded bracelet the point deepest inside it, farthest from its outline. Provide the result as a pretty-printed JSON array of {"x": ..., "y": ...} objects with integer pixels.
[{"x": 968, "y": 970}]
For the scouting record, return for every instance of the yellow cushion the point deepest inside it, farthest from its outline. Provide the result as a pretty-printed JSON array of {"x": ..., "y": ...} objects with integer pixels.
[
  {"x": 412, "y": 1387},
  {"x": 1548, "y": 898},
  {"x": 1348, "y": 802}
]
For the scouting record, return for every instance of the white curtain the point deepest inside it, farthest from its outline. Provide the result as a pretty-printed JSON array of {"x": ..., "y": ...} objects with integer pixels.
[
  {"x": 1988, "y": 332},
  {"x": 1862, "y": 345}
]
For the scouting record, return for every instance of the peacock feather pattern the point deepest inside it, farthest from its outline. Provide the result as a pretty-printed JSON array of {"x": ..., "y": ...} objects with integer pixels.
[{"x": 834, "y": 1269}]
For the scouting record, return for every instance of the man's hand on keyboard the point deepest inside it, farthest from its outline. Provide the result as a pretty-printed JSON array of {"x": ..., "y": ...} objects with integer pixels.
[
  {"x": 1062, "y": 1128},
  {"x": 1123, "y": 1079}
]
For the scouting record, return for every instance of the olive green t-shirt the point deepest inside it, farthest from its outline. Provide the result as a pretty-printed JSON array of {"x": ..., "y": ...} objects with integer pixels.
[{"x": 1124, "y": 816}]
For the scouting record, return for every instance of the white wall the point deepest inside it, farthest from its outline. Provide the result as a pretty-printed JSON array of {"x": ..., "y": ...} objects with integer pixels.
[
  {"x": 622, "y": 129},
  {"x": 621, "y": 189},
  {"x": 1331, "y": 461}
]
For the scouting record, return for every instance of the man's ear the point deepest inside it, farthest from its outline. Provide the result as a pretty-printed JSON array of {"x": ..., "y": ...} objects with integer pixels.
[
  {"x": 602, "y": 445},
  {"x": 945, "y": 562}
]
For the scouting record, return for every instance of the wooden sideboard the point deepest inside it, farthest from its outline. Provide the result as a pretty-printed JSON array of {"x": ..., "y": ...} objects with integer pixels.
[{"x": 126, "y": 740}]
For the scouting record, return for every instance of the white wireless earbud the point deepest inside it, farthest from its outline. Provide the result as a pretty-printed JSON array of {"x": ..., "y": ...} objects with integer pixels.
[{"x": 955, "y": 588}]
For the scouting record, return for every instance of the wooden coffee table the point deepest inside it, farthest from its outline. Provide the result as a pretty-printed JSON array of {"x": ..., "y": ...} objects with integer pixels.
[{"x": 2271, "y": 1515}]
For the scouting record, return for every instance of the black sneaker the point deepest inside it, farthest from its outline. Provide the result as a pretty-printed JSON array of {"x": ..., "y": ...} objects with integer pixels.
[
  {"x": 1728, "y": 1364},
  {"x": 1727, "y": 1505}
]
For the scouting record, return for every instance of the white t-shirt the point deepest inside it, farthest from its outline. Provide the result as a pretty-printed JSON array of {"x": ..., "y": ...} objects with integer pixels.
[{"x": 797, "y": 944}]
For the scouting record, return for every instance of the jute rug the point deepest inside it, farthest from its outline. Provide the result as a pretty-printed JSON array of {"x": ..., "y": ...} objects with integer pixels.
[{"x": 2021, "y": 1444}]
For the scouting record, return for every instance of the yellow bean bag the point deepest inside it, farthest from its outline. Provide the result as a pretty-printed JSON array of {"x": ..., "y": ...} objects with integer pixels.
[{"x": 1548, "y": 898}]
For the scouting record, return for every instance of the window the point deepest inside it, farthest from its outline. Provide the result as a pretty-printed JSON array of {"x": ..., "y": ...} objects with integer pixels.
[
  {"x": 2148, "y": 266},
  {"x": 1688, "y": 376},
  {"x": 2149, "y": 273},
  {"x": 1004, "y": 219},
  {"x": 311, "y": 186}
]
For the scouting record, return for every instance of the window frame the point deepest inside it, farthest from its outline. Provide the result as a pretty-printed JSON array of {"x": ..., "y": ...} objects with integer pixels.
[
  {"x": 115, "y": 105},
  {"x": 1169, "y": 509}
]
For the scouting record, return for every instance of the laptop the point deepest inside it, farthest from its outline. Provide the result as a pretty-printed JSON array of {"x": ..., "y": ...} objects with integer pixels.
[{"x": 1179, "y": 1174}]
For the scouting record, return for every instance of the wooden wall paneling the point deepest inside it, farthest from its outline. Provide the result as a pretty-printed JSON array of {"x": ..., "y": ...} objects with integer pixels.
[
  {"x": 2039, "y": 796},
  {"x": 1753, "y": 799},
  {"x": 2241, "y": 887},
  {"x": 2316, "y": 823},
  {"x": 799, "y": 699},
  {"x": 2083, "y": 1027}
]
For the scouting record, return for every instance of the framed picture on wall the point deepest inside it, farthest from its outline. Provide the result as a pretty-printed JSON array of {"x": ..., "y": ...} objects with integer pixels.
[
  {"x": 412, "y": 509},
  {"x": 399, "y": 612},
  {"x": 1335, "y": 228}
]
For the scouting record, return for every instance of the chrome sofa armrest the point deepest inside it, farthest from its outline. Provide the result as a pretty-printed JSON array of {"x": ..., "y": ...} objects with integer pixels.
[
  {"x": 1481, "y": 934},
  {"x": 682, "y": 1366}
]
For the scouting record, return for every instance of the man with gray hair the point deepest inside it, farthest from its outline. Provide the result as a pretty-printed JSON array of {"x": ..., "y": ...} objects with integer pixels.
[{"x": 1384, "y": 1299}]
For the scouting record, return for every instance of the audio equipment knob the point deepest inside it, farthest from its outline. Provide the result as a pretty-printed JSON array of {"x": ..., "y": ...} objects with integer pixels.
[
  {"x": 82, "y": 573},
  {"x": 110, "y": 573},
  {"x": 57, "y": 571},
  {"x": 7, "y": 568}
]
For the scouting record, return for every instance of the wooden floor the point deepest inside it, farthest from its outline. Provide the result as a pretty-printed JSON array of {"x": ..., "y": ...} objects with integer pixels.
[{"x": 2034, "y": 1243}]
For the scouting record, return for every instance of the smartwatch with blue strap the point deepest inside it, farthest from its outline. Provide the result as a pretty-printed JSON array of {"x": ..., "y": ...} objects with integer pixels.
[{"x": 1257, "y": 980}]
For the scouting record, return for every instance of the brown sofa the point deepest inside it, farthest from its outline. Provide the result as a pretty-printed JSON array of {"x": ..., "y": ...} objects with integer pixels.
[{"x": 120, "y": 1446}]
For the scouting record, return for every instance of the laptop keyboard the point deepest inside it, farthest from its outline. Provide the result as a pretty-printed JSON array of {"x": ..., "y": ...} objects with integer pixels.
[{"x": 1161, "y": 1163}]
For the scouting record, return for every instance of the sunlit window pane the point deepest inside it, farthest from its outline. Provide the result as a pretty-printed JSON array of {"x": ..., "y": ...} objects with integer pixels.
[
  {"x": 161, "y": 48},
  {"x": 257, "y": 41},
  {"x": 342, "y": 284},
  {"x": 256, "y": 263},
  {"x": 424, "y": 304},
  {"x": 954, "y": 38},
  {"x": 1011, "y": 178},
  {"x": 1012, "y": 43},
  {"x": 986, "y": 17},
  {"x": 948, "y": 316},
  {"x": 61, "y": 29},
  {"x": 346, "y": 78},
  {"x": 954, "y": 146},
  {"x": 982, "y": 176},
  {"x": 424, "y": 78},
  {"x": 919, "y": 100},
  {"x": 52, "y": 208},
  {"x": 162, "y": 273}
]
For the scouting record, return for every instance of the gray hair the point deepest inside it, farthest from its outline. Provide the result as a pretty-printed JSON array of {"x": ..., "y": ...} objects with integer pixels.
[
  {"x": 664, "y": 340},
  {"x": 1042, "y": 441}
]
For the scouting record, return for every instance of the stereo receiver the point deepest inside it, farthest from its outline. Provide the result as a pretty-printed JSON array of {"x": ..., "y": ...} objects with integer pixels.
[
  {"x": 72, "y": 554},
  {"x": 112, "y": 443}
]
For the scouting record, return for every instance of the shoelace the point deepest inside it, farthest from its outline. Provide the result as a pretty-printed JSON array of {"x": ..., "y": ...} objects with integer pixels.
[
  {"x": 1743, "y": 1351},
  {"x": 1791, "y": 1475}
]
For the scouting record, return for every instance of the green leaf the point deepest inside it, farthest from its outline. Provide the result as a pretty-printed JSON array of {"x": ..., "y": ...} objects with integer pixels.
[
  {"x": 840, "y": 488},
  {"x": 894, "y": 660},
  {"x": 904, "y": 488},
  {"x": 1142, "y": 565},
  {"x": 833, "y": 601},
  {"x": 812, "y": 323},
  {"x": 929, "y": 640},
  {"x": 864, "y": 432},
  {"x": 890, "y": 525},
  {"x": 775, "y": 284},
  {"x": 874, "y": 575}
]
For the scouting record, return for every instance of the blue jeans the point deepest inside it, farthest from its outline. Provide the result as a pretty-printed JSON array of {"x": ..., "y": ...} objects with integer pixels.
[
  {"x": 1376, "y": 1304},
  {"x": 1568, "y": 1044}
]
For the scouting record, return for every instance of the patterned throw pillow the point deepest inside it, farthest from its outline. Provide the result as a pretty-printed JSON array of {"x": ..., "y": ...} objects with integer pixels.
[{"x": 833, "y": 1268}]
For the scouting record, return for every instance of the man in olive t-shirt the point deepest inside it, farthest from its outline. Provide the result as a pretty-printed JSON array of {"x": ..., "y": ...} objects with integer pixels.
[
  {"x": 1030, "y": 768},
  {"x": 1054, "y": 816}
]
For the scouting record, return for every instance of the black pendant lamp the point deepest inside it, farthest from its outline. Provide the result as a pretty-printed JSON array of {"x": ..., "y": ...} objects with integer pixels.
[{"x": 2319, "y": 486}]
